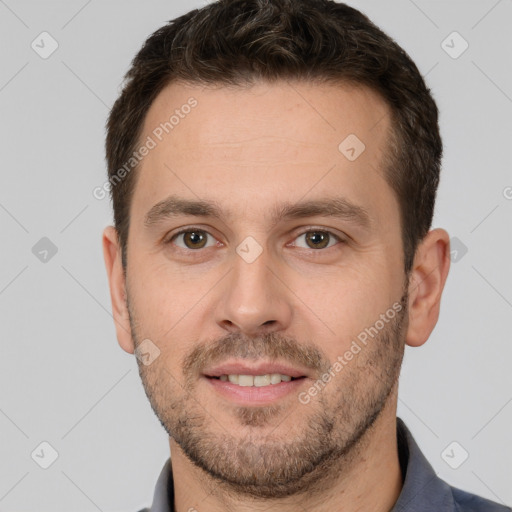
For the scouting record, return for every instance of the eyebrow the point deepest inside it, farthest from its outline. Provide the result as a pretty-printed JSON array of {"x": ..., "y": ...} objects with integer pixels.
[{"x": 338, "y": 207}]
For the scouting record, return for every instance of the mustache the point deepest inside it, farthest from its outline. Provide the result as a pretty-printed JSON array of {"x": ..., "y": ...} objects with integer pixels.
[{"x": 270, "y": 346}]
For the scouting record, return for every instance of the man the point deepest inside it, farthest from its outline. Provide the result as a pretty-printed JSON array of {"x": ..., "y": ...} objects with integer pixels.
[{"x": 273, "y": 168}]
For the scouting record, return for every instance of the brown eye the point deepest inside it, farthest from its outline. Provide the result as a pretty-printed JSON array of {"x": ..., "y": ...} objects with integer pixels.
[
  {"x": 192, "y": 239},
  {"x": 317, "y": 239}
]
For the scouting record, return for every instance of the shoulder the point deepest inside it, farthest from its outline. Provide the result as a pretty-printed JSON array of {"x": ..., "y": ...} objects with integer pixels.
[{"x": 467, "y": 502}]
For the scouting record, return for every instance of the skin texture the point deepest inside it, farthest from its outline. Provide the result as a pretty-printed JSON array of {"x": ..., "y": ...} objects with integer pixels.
[{"x": 250, "y": 151}]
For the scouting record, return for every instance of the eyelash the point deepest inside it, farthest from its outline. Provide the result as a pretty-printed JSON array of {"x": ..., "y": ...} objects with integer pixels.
[{"x": 189, "y": 229}]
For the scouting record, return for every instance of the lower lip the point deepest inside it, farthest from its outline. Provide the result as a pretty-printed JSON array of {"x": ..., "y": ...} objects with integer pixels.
[{"x": 252, "y": 395}]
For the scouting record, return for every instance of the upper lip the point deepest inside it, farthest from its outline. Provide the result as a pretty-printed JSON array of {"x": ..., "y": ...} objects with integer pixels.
[{"x": 239, "y": 368}]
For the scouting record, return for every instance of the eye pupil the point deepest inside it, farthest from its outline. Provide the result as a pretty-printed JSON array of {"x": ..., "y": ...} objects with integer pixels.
[
  {"x": 194, "y": 239},
  {"x": 318, "y": 239}
]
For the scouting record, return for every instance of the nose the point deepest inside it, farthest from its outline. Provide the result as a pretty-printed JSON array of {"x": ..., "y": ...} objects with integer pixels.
[{"x": 253, "y": 300}]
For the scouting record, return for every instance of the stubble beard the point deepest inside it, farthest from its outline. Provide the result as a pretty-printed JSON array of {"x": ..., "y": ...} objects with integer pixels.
[{"x": 257, "y": 464}]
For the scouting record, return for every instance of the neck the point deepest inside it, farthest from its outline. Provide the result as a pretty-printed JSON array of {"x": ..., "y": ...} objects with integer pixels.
[{"x": 371, "y": 481}]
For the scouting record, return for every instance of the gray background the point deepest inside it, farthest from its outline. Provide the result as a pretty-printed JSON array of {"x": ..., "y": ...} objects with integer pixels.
[{"x": 64, "y": 379}]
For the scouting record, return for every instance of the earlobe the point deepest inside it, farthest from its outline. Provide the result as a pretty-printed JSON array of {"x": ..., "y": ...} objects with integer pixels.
[
  {"x": 117, "y": 284},
  {"x": 428, "y": 277}
]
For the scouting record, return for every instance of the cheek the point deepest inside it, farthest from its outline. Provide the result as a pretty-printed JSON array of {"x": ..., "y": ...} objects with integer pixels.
[
  {"x": 167, "y": 303},
  {"x": 347, "y": 299}
]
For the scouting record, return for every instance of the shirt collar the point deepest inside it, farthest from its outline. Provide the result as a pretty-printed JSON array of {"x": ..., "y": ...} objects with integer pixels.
[
  {"x": 422, "y": 490},
  {"x": 163, "y": 499}
]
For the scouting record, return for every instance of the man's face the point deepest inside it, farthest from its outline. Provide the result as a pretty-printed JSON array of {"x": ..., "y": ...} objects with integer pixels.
[{"x": 269, "y": 272}]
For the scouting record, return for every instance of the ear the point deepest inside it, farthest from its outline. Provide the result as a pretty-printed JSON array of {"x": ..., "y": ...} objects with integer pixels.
[
  {"x": 116, "y": 279},
  {"x": 428, "y": 277}
]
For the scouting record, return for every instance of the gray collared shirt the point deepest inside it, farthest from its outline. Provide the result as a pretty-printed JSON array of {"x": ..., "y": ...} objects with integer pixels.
[{"x": 422, "y": 491}]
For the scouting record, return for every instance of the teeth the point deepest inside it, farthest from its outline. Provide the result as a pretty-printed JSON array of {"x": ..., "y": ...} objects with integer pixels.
[
  {"x": 275, "y": 378},
  {"x": 245, "y": 380},
  {"x": 261, "y": 380},
  {"x": 256, "y": 380}
]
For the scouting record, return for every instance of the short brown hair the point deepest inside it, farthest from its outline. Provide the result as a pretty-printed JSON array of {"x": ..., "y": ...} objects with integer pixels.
[{"x": 239, "y": 42}]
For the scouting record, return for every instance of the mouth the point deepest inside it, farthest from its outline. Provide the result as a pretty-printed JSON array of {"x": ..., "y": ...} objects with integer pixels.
[
  {"x": 268, "y": 379},
  {"x": 262, "y": 371},
  {"x": 261, "y": 384}
]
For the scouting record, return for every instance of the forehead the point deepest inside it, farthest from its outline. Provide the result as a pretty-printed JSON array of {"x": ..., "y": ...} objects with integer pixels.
[
  {"x": 264, "y": 142},
  {"x": 265, "y": 110}
]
